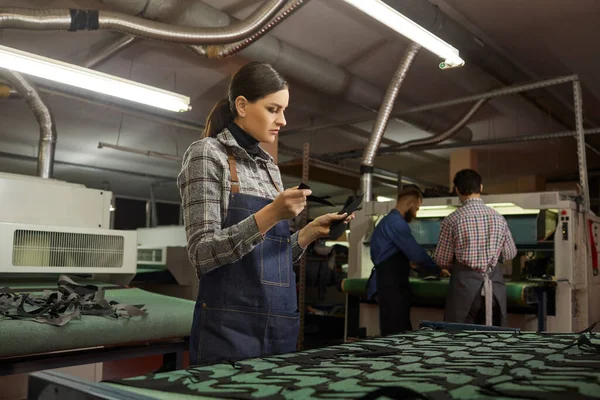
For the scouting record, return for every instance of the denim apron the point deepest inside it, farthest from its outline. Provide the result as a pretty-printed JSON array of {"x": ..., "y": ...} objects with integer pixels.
[{"x": 247, "y": 309}]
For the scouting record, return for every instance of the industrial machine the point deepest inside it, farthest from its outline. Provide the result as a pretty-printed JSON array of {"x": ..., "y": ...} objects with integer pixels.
[
  {"x": 163, "y": 265},
  {"x": 552, "y": 284},
  {"x": 50, "y": 229}
]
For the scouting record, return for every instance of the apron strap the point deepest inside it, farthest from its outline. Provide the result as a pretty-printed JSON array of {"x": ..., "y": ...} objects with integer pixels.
[
  {"x": 488, "y": 293},
  {"x": 235, "y": 182}
]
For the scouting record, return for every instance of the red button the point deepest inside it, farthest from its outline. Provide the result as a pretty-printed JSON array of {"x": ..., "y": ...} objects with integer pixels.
[{"x": 564, "y": 212}]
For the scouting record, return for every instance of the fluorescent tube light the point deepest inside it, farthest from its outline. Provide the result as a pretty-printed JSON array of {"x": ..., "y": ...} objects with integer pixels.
[
  {"x": 406, "y": 27},
  {"x": 438, "y": 208},
  {"x": 74, "y": 75}
]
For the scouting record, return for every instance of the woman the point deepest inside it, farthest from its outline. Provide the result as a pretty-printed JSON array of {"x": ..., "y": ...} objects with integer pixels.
[{"x": 235, "y": 214}]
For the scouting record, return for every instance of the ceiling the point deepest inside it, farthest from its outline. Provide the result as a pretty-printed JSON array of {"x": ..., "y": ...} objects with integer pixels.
[{"x": 544, "y": 38}]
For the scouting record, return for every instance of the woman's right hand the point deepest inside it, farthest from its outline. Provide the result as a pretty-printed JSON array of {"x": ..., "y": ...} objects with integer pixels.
[{"x": 290, "y": 203}]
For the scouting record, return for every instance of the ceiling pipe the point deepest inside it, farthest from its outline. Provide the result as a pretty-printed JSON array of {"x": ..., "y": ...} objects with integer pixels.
[
  {"x": 302, "y": 66},
  {"x": 21, "y": 157},
  {"x": 209, "y": 51},
  {"x": 228, "y": 50},
  {"x": 148, "y": 153},
  {"x": 367, "y": 163},
  {"x": 475, "y": 51},
  {"x": 491, "y": 142},
  {"x": 447, "y": 134},
  {"x": 74, "y": 20},
  {"x": 47, "y": 142}
]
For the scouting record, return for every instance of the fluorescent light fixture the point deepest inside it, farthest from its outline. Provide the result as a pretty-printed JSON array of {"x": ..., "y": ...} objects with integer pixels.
[
  {"x": 437, "y": 207},
  {"x": 512, "y": 209},
  {"x": 383, "y": 199},
  {"x": 406, "y": 27},
  {"x": 74, "y": 75}
]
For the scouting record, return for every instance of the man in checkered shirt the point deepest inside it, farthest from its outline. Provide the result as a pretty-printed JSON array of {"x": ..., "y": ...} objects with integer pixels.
[{"x": 472, "y": 241}]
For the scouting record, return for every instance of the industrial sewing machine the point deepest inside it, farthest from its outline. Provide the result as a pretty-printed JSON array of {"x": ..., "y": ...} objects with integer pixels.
[
  {"x": 552, "y": 284},
  {"x": 49, "y": 228}
]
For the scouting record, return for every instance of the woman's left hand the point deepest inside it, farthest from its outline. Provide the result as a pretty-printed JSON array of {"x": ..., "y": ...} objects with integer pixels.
[{"x": 320, "y": 225}]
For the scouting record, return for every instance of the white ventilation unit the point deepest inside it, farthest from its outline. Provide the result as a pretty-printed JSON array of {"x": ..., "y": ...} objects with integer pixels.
[
  {"x": 28, "y": 248},
  {"x": 147, "y": 255}
]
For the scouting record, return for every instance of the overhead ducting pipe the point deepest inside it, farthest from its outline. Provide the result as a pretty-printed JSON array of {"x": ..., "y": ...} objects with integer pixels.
[
  {"x": 209, "y": 51},
  {"x": 76, "y": 20},
  {"x": 295, "y": 63},
  {"x": 448, "y": 134},
  {"x": 367, "y": 163},
  {"x": 228, "y": 50},
  {"x": 47, "y": 143}
]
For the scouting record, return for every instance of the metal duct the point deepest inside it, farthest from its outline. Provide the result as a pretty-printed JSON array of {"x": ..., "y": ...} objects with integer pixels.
[
  {"x": 383, "y": 118},
  {"x": 74, "y": 20},
  {"x": 47, "y": 143},
  {"x": 449, "y": 133},
  {"x": 228, "y": 50},
  {"x": 304, "y": 67},
  {"x": 500, "y": 141}
]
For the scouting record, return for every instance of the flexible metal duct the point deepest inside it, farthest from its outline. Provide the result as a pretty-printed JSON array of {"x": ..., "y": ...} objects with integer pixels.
[
  {"x": 303, "y": 67},
  {"x": 383, "y": 118},
  {"x": 210, "y": 51},
  {"x": 47, "y": 143},
  {"x": 228, "y": 50},
  {"x": 442, "y": 136},
  {"x": 74, "y": 20},
  {"x": 447, "y": 134}
]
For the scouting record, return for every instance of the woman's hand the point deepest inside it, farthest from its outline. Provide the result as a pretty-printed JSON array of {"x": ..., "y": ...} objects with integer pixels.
[
  {"x": 319, "y": 227},
  {"x": 286, "y": 205},
  {"x": 290, "y": 202}
]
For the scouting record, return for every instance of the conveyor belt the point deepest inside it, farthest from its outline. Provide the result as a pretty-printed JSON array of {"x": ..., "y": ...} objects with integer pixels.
[
  {"x": 434, "y": 364},
  {"x": 167, "y": 317},
  {"x": 432, "y": 293}
]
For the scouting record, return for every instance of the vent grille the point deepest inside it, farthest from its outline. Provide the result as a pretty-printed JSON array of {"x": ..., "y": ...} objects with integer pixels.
[
  {"x": 149, "y": 255},
  {"x": 32, "y": 248}
]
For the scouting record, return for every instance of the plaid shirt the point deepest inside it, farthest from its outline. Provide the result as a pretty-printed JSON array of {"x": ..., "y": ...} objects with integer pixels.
[
  {"x": 476, "y": 235},
  {"x": 205, "y": 184}
]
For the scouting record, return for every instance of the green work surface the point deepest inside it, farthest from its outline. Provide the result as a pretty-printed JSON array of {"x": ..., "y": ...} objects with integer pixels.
[
  {"x": 435, "y": 364},
  {"x": 432, "y": 293},
  {"x": 167, "y": 317}
]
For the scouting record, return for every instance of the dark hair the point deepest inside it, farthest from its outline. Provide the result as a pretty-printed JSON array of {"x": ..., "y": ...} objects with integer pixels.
[
  {"x": 254, "y": 81},
  {"x": 467, "y": 181},
  {"x": 410, "y": 191}
]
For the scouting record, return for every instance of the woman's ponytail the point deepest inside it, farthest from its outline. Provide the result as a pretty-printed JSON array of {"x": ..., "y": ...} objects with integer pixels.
[{"x": 218, "y": 119}]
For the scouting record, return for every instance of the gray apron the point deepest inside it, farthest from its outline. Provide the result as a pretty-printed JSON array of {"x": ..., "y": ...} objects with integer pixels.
[{"x": 465, "y": 284}]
